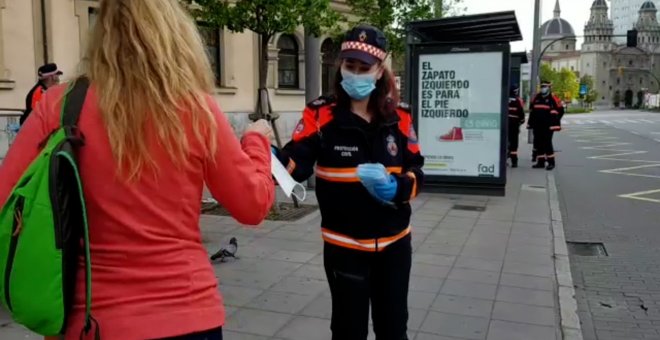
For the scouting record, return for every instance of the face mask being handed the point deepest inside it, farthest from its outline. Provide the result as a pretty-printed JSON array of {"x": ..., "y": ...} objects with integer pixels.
[
  {"x": 358, "y": 86},
  {"x": 545, "y": 91}
]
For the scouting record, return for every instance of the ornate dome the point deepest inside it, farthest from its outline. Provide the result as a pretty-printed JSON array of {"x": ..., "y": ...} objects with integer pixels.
[
  {"x": 599, "y": 3},
  {"x": 557, "y": 27},
  {"x": 649, "y": 5}
]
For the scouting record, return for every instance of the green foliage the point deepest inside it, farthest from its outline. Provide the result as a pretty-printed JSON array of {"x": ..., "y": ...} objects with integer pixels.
[
  {"x": 564, "y": 83},
  {"x": 592, "y": 94},
  {"x": 391, "y": 16},
  {"x": 577, "y": 110},
  {"x": 267, "y": 17}
]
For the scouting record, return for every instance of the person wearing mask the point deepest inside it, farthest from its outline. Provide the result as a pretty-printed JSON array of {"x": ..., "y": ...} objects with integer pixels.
[
  {"x": 49, "y": 76},
  {"x": 154, "y": 136},
  {"x": 369, "y": 168},
  {"x": 545, "y": 119},
  {"x": 516, "y": 118}
]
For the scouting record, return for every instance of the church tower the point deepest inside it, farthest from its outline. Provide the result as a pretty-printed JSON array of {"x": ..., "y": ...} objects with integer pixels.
[
  {"x": 595, "y": 59},
  {"x": 648, "y": 29}
]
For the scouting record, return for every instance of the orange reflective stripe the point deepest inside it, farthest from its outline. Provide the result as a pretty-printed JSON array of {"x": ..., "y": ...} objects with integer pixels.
[
  {"x": 542, "y": 107},
  {"x": 513, "y": 152},
  {"x": 555, "y": 128},
  {"x": 554, "y": 112},
  {"x": 370, "y": 245},
  {"x": 513, "y": 109},
  {"x": 346, "y": 175},
  {"x": 551, "y": 156},
  {"x": 413, "y": 192},
  {"x": 513, "y": 116}
]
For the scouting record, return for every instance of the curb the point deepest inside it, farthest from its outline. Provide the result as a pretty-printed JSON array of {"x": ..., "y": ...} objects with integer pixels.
[{"x": 570, "y": 321}]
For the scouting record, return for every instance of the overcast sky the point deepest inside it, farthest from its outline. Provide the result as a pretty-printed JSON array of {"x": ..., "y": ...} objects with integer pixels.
[{"x": 575, "y": 12}]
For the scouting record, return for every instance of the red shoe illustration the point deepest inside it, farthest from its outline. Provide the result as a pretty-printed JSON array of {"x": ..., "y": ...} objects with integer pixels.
[{"x": 454, "y": 135}]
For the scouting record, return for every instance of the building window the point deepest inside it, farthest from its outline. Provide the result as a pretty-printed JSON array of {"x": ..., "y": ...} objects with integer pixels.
[
  {"x": 211, "y": 39},
  {"x": 641, "y": 81},
  {"x": 93, "y": 14},
  {"x": 610, "y": 88},
  {"x": 287, "y": 65},
  {"x": 630, "y": 62},
  {"x": 618, "y": 81},
  {"x": 604, "y": 64},
  {"x": 572, "y": 68},
  {"x": 567, "y": 46}
]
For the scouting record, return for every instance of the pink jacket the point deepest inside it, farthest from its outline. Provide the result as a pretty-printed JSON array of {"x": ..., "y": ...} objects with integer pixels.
[{"x": 151, "y": 274}]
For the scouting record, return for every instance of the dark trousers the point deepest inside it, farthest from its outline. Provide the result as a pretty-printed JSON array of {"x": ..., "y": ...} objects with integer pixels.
[
  {"x": 543, "y": 142},
  {"x": 514, "y": 133},
  {"x": 213, "y": 334},
  {"x": 359, "y": 278}
]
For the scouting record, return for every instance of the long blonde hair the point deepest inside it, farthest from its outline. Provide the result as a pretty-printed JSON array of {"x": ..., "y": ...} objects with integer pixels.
[{"x": 148, "y": 64}]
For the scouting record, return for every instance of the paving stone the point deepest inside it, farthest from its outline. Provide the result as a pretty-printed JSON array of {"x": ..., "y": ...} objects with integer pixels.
[
  {"x": 415, "y": 318},
  {"x": 307, "y": 328},
  {"x": 526, "y": 296},
  {"x": 460, "y": 326},
  {"x": 433, "y": 259},
  {"x": 320, "y": 307},
  {"x": 478, "y": 264},
  {"x": 293, "y": 256},
  {"x": 288, "y": 303},
  {"x": 425, "y": 284},
  {"x": 239, "y": 296},
  {"x": 256, "y": 322},
  {"x": 479, "y": 276},
  {"x": 427, "y": 336},
  {"x": 301, "y": 285},
  {"x": 504, "y": 330},
  {"x": 463, "y": 305},
  {"x": 313, "y": 271},
  {"x": 528, "y": 269},
  {"x": 469, "y": 289},
  {"x": 524, "y": 313},
  {"x": 420, "y": 300},
  {"x": 242, "y": 336},
  {"x": 527, "y": 281},
  {"x": 428, "y": 270}
]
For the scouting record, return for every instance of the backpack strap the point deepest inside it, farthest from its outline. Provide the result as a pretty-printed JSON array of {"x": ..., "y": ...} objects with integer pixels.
[{"x": 73, "y": 103}]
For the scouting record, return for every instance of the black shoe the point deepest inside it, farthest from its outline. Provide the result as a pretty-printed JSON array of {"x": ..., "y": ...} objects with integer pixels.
[
  {"x": 514, "y": 162},
  {"x": 539, "y": 165},
  {"x": 551, "y": 164}
]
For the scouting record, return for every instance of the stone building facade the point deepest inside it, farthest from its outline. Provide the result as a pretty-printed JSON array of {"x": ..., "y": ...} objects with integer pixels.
[
  {"x": 618, "y": 71},
  {"x": 33, "y": 32}
]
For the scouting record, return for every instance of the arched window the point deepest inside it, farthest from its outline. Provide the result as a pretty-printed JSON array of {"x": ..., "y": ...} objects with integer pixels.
[
  {"x": 287, "y": 65},
  {"x": 329, "y": 55}
]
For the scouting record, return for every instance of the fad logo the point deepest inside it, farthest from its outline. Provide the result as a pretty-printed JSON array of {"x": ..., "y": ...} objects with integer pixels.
[{"x": 486, "y": 170}]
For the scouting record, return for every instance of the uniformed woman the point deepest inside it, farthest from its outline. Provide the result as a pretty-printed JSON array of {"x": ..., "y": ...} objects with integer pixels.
[{"x": 368, "y": 169}]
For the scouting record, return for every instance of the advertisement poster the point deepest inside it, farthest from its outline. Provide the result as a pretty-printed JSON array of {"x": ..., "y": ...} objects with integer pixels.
[{"x": 459, "y": 121}]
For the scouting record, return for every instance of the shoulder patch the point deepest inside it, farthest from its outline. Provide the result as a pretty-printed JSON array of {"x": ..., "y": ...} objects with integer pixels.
[{"x": 321, "y": 101}]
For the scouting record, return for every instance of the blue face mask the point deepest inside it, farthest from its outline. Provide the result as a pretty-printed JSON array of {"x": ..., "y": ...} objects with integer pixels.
[
  {"x": 545, "y": 91},
  {"x": 358, "y": 86}
]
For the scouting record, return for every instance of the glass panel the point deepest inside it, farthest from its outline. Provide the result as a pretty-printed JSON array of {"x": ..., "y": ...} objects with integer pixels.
[
  {"x": 288, "y": 70},
  {"x": 93, "y": 14},
  {"x": 287, "y": 42},
  {"x": 211, "y": 38}
]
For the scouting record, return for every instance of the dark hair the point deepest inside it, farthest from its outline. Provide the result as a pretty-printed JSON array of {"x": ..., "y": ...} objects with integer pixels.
[{"x": 382, "y": 101}]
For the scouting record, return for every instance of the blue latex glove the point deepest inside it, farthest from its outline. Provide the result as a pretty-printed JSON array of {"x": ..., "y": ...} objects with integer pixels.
[
  {"x": 377, "y": 181},
  {"x": 13, "y": 127}
]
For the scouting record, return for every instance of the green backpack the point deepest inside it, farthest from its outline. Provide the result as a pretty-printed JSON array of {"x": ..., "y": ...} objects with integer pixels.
[{"x": 43, "y": 230}]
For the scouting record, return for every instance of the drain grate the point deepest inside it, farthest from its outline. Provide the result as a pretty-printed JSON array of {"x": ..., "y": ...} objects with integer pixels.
[
  {"x": 586, "y": 249},
  {"x": 466, "y": 207}
]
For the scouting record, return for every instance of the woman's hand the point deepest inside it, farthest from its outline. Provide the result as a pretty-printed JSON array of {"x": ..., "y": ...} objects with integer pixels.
[{"x": 261, "y": 126}]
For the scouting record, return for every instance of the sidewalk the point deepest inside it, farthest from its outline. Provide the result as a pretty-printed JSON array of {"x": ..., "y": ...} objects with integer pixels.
[{"x": 476, "y": 275}]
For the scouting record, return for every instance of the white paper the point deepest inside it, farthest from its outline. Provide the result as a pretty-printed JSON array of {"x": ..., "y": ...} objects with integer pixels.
[{"x": 285, "y": 181}]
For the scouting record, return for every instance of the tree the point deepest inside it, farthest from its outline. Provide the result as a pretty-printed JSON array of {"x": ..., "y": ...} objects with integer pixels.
[
  {"x": 266, "y": 18},
  {"x": 592, "y": 95},
  {"x": 391, "y": 16},
  {"x": 548, "y": 74},
  {"x": 567, "y": 86}
]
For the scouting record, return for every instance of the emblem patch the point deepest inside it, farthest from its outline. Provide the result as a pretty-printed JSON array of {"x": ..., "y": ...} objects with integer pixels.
[
  {"x": 412, "y": 136},
  {"x": 363, "y": 36},
  {"x": 300, "y": 127},
  {"x": 391, "y": 146}
]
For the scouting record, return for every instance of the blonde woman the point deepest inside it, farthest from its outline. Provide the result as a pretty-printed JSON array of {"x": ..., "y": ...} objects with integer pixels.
[{"x": 153, "y": 137}]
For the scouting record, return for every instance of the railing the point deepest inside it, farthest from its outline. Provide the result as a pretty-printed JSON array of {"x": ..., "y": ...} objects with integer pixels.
[{"x": 9, "y": 125}]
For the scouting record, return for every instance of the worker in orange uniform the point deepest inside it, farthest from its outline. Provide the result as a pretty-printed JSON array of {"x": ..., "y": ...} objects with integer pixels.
[
  {"x": 368, "y": 169},
  {"x": 49, "y": 75},
  {"x": 545, "y": 119},
  {"x": 516, "y": 118}
]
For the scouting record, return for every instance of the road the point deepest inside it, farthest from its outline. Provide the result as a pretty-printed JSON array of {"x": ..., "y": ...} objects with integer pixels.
[{"x": 608, "y": 177}]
